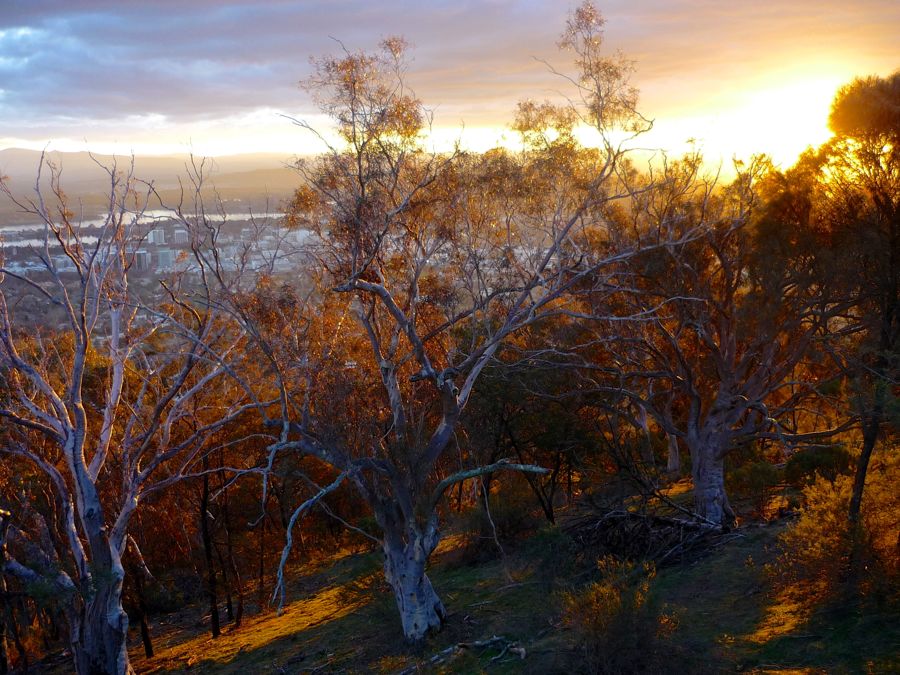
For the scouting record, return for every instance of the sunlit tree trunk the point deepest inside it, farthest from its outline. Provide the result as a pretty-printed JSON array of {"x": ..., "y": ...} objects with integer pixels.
[
  {"x": 406, "y": 552},
  {"x": 101, "y": 643}
]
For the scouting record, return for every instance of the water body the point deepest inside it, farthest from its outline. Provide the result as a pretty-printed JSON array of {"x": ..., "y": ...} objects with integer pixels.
[
  {"x": 151, "y": 215},
  {"x": 163, "y": 214},
  {"x": 39, "y": 243}
]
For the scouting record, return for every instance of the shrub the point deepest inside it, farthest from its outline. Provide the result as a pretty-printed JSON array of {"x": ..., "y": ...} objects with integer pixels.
[
  {"x": 553, "y": 553},
  {"x": 755, "y": 482},
  {"x": 829, "y": 462},
  {"x": 818, "y": 546},
  {"x": 512, "y": 510},
  {"x": 616, "y": 625}
]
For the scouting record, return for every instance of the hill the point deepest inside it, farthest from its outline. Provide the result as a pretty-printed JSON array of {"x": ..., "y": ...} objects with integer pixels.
[
  {"x": 249, "y": 179},
  {"x": 508, "y": 614}
]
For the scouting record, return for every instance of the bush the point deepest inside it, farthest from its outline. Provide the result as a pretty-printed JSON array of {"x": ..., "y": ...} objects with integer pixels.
[
  {"x": 828, "y": 462},
  {"x": 512, "y": 510},
  {"x": 553, "y": 553},
  {"x": 755, "y": 482},
  {"x": 617, "y": 626},
  {"x": 172, "y": 591},
  {"x": 818, "y": 546}
]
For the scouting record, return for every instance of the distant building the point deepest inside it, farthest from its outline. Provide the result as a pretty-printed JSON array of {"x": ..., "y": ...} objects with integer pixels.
[
  {"x": 157, "y": 237},
  {"x": 180, "y": 237},
  {"x": 63, "y": 263},
  {"x": 230, "y": 251},
  {"x": 142, "y": 260},
  {"x": 165, "y": 259}
]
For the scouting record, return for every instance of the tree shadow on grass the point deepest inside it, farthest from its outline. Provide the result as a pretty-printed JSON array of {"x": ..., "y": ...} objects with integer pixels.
[{"x": 349, "y": 623}]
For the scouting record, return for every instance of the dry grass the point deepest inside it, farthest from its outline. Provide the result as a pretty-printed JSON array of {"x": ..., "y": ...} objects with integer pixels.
[
  {"x": 256, "y": 633},
  {"x": 340, "y": 618}
]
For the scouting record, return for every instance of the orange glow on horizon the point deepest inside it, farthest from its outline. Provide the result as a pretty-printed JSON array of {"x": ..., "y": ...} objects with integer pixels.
[{"x": 781, "y": 120}]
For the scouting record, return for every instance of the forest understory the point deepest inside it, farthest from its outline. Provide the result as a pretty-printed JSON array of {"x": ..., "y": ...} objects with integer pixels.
[{"x": 722, "y": 605}]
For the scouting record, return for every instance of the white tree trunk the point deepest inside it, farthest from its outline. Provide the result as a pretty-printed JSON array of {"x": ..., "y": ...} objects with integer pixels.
[
  {"x": 100, "y": 638},
  {"x": 421, "y": 610},
  {"x": 673, "y": 463},
  {"x": 646, "y": 447},
  {"x": 708, "y": 470}
]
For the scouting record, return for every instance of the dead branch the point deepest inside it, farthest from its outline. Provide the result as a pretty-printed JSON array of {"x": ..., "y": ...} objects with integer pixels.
[{"x": 505, "y": 645}]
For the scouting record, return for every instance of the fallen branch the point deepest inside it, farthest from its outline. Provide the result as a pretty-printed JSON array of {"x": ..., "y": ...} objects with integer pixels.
[
  {"x": 641, "y": 535},
  {"x": 505, "y": 645}
]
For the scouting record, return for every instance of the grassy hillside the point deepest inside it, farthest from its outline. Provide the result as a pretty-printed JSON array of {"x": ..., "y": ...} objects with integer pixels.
[{"x": 727, "y": 617}]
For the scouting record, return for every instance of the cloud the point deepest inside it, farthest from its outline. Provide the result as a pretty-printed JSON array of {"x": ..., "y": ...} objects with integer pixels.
[
  {"x": 199, "y": 59},
  {"x": 94, "y": 64}
]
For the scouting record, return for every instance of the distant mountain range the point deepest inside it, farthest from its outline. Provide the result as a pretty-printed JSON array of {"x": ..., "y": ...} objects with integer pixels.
[{"x": 249, "y": 179}]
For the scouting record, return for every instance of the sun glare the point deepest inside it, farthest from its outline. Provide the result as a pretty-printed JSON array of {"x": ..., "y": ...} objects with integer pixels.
[{"x": 781, "y": 121}]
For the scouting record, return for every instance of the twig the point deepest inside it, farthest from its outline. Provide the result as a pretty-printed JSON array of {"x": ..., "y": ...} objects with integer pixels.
[{"x": 453, "y": 650}]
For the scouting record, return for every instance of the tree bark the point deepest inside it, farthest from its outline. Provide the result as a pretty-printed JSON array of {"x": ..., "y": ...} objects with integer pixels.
[
  {"x": 226, "y": 583},
  {"x": 421, "y": 611},
  {"x": 146, "y": 640},
  {"x": 229, "y": 549},
  {"x": 646, "y": 444},
  {"x": 100, "y": 634},
  {"x": 208, "y": 555},
  {"x": 405, "y": 558},
  {"x": 673, "y": 463},
  {"x": 4, "y": 654},
  {"x": 871, "y": 428},
  {"x": 22, "y": 664},
  {"x": 261, "y": 568},
  {"x": 100, "y": 637},
  {"x": 708, "y": 470}
]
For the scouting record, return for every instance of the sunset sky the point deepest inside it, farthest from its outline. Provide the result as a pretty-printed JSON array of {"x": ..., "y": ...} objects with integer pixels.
[{"x": 212, "y": 76}]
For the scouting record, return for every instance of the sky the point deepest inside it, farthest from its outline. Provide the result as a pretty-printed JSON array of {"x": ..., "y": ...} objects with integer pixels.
[{"x": 218, "y": 77}]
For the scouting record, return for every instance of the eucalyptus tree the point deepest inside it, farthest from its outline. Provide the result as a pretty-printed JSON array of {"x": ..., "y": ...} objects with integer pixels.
[
  {"x": 105, "y": 394},
  {"x": 856, "y": 206},
  {"x": 426, "y": 264},
  {"x": 728, "y": 320}
]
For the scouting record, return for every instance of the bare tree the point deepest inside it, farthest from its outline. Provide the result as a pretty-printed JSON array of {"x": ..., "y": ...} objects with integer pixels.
[
  {"x": 425, "y": 264},
  {"x": 104, "y": 396}
]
